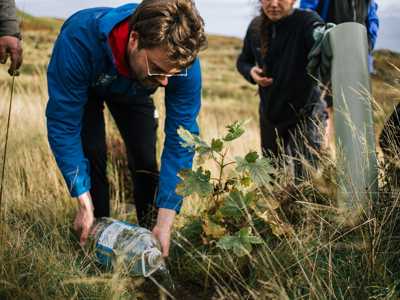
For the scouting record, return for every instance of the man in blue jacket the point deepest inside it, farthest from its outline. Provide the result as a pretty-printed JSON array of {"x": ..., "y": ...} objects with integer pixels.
[{"x": 119, "y": 57}]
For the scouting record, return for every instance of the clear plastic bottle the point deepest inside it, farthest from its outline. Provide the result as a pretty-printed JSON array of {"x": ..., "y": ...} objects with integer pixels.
[{"x": 129, "y": 244}]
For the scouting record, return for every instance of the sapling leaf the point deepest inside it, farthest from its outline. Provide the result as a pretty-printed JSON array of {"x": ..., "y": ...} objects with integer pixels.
[
  {"x": 217, "y": 145},
  {"x": 194, "y": 182},
  {"x": 232, "y": 206},
  {"x": 240, "y": 243},
  {"x": 251, "y": 157},
  {"x": 235, "y": 130},
  {"x": 193, "y": 141},
  {"x": 259, "y": 170},
  {"x": 228, "y": 242},
  {"x": 212, "y": 229},
  {"x": 235, "y": 203},
  {"x": 245, "y": 181}
]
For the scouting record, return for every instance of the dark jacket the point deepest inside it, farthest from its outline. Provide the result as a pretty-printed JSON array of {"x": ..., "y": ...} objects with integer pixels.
[
  {"x": 289, "y": 42},
  {"x": 82, "y": 60},
  {"x": 9, "y": 24},
  {"x": 340, "y": 11}
]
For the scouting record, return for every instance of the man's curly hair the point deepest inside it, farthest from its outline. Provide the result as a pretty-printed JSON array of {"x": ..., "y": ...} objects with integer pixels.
[{"x": 173, "y": 24}]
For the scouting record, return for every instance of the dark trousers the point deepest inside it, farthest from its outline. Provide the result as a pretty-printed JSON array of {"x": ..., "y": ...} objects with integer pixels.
[
  {"x": 389, "y": 139},
  {"x": 298, "y": 142},
  {"x": 135, "y": 120}
]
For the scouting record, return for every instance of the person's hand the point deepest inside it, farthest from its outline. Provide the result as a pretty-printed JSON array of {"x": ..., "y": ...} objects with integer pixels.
[
  {"x": 11, "y": 46},
  {"x": 84, "y": 218},
  {"x": 162, "y": 230},
  {"x": 257, "y": 74}
]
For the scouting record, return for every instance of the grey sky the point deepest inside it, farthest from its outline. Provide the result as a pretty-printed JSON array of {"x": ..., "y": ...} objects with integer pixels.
[{"x": 225, "y": 17}]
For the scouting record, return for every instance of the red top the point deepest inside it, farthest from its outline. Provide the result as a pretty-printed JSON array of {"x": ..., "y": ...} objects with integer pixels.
[{"x": 118, "y": 40}]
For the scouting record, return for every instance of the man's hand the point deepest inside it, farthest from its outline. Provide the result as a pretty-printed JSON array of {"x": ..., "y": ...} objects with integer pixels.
[
  {"x": 11, "y": 46},
  {"x": 84, "y": 218},
  {"x": 257, "y": 75},
  {"x": 162, "y": 230}
]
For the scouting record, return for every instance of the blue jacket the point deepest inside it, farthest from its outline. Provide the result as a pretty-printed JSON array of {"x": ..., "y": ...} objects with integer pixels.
[
  {"x": 372, "y": 21},
  {"x": 82, "y": 60}
]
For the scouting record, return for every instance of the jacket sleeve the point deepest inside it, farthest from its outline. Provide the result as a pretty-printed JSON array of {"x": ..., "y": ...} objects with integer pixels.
[
  {"x": 182, "y": 100},
  {"x": 68, "y": 81},
  {"x": 312, "y": 22},
  {"x": 372, "y": 24},
  {"x": 309, "y": 4},
  {"x": 9, "y": 24},
  {"x": 246, "y": 60}
]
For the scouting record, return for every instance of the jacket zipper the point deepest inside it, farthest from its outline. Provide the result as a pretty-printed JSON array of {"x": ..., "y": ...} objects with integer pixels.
[
  {"x": 354, "y": 11},
  {"x": 273, "y": 31}
]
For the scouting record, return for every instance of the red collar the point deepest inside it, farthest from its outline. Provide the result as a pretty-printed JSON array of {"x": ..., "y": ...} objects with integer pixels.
[{"x": 118, "y": 40}]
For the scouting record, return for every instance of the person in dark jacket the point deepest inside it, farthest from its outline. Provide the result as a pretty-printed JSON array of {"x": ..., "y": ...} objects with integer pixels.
[
  {"x": 119, "y": 57},
  {"x": 10, "y": 36},
  {"x": 274, "y": 56}
]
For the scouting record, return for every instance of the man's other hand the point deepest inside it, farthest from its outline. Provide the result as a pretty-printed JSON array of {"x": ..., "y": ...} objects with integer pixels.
[
  {"x": 84, "y": 218},
  {"x": 162, "y": 230},
  {"x": 11, "y": 46}
]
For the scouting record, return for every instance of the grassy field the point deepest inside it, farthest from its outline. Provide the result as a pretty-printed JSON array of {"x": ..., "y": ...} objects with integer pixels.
[{"x": 320, "y": 259}]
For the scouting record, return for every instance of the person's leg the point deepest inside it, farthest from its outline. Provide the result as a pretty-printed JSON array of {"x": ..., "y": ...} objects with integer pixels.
[
  {"x": 306, "y": 141},
  {"x": 329, "y": 137},
  {"x": 389, "y": 139},
  {"x": 269, "y": 138},
  {"x": 94, "y": 147},
  {"x": 138, "y": 126}
]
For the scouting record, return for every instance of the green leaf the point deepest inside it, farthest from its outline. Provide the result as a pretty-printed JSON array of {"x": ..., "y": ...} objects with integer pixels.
[
  {"x": 244, "y": 232},
  {"x": 242, "y": 249},
  {"x": 227, "y": 242},
  {"x": 194, "y": 143},
  {"x": 194, "y": 182},
  {"x": 217, "y": 145},
  {"x": 247, "y": 238},
  {"x": 251, "y": 157},
  {"x": 232, "y": 207},
  {"x": 254, "y": 240},
  {"x": 241, "y": 243},
  {"x": 235, "y": 203},
  {"x": 260, "y": 170},
  {"x": 245, "y": 181},
  {"x": 234, "y": 243},
  {"x": 212, "y": 229},
  {"x": 235, "y": 130}
]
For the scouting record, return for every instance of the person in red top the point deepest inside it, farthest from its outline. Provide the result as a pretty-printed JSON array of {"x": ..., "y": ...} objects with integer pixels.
[{"x": 118, "y": 57}]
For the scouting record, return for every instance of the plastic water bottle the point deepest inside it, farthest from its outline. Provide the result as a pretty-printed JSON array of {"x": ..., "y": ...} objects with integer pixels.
[{"x": 132, "y": 245}]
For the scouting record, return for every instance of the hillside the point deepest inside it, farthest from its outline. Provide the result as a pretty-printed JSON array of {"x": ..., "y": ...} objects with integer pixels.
[
  {"x": 305, "y": 251},
  {"x": 29, "y": 22}
]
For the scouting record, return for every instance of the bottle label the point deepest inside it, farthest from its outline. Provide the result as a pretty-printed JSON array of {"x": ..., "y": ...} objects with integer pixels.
[
  {"x": 111, "y": 233},
  {"x": 106, "y": 242}
]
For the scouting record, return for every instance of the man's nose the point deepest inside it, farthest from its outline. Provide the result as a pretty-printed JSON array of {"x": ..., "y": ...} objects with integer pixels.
[{"x": 274, "y": 3}]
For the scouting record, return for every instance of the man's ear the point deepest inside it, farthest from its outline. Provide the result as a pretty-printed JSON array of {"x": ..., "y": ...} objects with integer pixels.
[{"x": 133, "y": 39}]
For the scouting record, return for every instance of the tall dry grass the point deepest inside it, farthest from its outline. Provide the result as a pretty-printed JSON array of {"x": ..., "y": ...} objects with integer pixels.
[{"x": 39, "y": 255}]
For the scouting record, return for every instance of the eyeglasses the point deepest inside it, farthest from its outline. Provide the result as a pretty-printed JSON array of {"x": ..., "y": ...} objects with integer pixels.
[{"x": 149, "y": 73}]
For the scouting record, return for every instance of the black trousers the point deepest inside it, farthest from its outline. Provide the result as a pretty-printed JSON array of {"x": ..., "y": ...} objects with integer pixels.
[
  {"x": 299, "y": 141},
  {"x": 389, "y": 139},
  {"x": 135, "y": 120}
]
